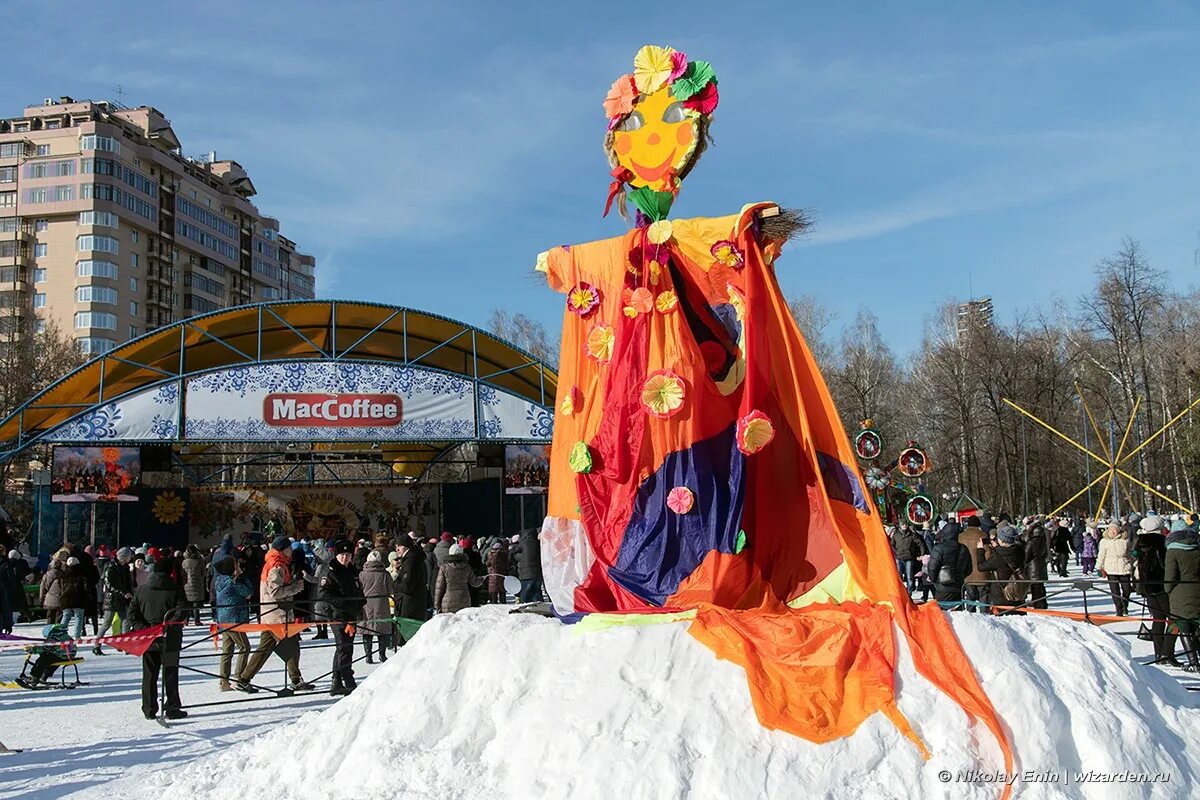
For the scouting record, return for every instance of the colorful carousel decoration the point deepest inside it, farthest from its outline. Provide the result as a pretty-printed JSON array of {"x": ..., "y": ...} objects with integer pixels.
[{"x": 895, "y": 485}]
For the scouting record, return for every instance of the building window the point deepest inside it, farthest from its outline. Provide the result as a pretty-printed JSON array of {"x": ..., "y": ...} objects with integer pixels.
[
  {"x": 94, "y": 142},
  {"x": 37, "y": 170},
  {"x": 8, "y": 198},
  {"x": 105, "y": 218},
  {"x": 39, "y": 326},
  {"x": 133, "y": 260},
  {"x": 133, "y": 284},
  {"x": 39, "y": 250},
  {"x": 96, "y": 319},
  {"x": 134, "y": 331},
  {"x": 96, "y": 294},
  {"x": 43, "y": 150},
  {"x": 8, "y": 174},
  {"x": 64, "y": 168},
  {"x": 105, "y": 244},
  {"x": 96, "y": 269},
  {"x": 95, "y": 345},
  {"x": 39, "y": 300},
  {"x": 36, "y": 195},
  {"x": 12, "y": 150},
  {"x": 135, "y": 237},
  {"x": 133, "y": 307},
  {"x": 39, "y": 275},
  {"x": 63, "y": 194},
  {"x": 41, "y": 225}
]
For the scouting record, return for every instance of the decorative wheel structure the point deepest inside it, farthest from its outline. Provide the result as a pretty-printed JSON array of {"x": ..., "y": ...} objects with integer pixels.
[
  {"x": 919, "y": 510},
  {"x": 889, "y": 482},
  {"x": 912, "y": 461},
  {"x": 868, "y": 444}
]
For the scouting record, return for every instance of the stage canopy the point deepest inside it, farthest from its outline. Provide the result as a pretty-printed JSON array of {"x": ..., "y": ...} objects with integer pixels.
[{"x": 331, "y": 377}]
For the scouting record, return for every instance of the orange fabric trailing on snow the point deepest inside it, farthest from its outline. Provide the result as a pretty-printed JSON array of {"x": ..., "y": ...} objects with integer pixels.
[{"x": 1078, "y": 616}]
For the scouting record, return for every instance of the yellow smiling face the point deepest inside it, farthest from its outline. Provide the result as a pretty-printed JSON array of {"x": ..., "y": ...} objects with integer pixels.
[{"x": 656, "y": 140}]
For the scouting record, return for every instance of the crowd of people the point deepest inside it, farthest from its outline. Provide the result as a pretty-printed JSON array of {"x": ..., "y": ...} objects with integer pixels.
[
  {"x": 340, "y": 588},
  {"x": 994, "y": 561}
]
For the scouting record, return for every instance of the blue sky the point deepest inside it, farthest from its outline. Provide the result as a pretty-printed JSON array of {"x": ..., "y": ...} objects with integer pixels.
[{"x": 425, "y": 153}]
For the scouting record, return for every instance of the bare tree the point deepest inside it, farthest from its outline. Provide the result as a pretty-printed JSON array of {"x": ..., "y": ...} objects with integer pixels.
[
  {"x": 526, "y": 333},
  {"x": 814, "y": 318}
]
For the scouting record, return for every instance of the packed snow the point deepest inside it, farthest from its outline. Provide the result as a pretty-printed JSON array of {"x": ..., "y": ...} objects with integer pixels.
[{"x": 487, "y": 704}]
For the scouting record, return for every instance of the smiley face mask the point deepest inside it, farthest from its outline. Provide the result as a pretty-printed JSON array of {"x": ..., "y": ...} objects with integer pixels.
[{"x": 658, "y": 118}]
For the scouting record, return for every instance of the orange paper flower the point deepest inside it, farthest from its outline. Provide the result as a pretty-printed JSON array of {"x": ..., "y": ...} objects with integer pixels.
[
  {"x": 600, "y": 343},
  {"x": 620, "y": 97},
  {"x": 663, "y": 393},
  {"x": 637, "y": 301}
]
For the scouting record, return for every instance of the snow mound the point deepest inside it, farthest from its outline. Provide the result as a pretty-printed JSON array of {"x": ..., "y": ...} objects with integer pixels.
[{"x": 485, "y": 704}]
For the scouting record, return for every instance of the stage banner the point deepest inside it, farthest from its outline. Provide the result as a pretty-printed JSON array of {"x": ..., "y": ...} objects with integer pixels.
[
  {"x": 324, "y": 401},
  {"x": 147, "y": 416},
  {"x": 316, "y": 513}
]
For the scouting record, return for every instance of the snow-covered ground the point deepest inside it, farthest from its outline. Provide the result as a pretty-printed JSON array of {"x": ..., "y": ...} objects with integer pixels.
[{"x": 491, "y": 705}]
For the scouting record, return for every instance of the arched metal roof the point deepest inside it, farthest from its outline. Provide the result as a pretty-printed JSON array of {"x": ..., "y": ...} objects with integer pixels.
[{"x": 329, "y": 330}]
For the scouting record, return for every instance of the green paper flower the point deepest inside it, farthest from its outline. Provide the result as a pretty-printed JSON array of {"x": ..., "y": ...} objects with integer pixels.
[
  {"x": 695, "y": 78},
  {"x": 655, "y": 205},
  {"x": 740, "y": 544},
  {"x": 581, "y": 458}
]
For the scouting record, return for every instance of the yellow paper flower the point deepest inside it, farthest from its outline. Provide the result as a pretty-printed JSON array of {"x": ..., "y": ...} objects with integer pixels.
[
  {"x": 737, "y": 300},
  {"x": 666, "y": 302},
  {"x": 651, "y": 67},
  {"x": 662, "y": 393},
  {"x": 754, "y": 432},
  {"x": 570, "y": 401},
  {"x": 659, "y": 232},
  {"x": 600, "y": 343},
  {"x": 655, "y": 272}
]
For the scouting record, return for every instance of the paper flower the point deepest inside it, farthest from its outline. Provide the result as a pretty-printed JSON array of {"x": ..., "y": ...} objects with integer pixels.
[
  {"x": 600, "y": 343},
  {"x": 697, "y": 75},
  {"x": 584, "y": 299},
  {"x": 726, "y": 252},
  {"x": 705, "y": 100},
  {"x": 754, "y": 432},
  {"x": 659, "y": 232},
  {"x": 580, "y": 459},
  {"x": 652, "y": 66},
  {"x": 619, "y": 101},
  {"x": 679, "y": 65},
  {"x": 570, "y": 402},
  {"x": 740, "y": 544},
  {"x": 666, "y": 302},
  {"x": 680, "y": 500},
  {"x": 637, "y": 301},
  {"x": 663, "y": 393}
]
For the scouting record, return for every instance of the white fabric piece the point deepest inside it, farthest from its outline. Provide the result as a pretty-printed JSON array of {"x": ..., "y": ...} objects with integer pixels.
[{"x": 566, "y": 559}]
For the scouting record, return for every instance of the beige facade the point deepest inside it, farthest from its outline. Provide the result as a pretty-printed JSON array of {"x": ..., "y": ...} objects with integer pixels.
[{"x": 106, "y": 228}]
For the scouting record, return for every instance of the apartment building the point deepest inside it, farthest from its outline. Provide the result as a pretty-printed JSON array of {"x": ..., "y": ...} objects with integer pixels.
[{"x": 106, "y": 227}]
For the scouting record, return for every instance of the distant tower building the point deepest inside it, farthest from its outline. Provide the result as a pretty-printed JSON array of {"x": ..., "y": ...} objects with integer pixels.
[
  {"x": 108, "y": 228},
  {"x": 974, "y": 315}
]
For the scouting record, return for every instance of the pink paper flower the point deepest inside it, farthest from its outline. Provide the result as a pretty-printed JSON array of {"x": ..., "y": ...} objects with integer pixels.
[
  {"x": 679, "y": 64},
  {"x": 680, "y": 500},
  {"x": 584, "y": 299}
]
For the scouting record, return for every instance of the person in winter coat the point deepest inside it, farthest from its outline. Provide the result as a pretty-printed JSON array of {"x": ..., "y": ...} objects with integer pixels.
[
  {"x": 139, "y": 571},
  {"x": 1060, "y": 547},
  {"x": 233, "y": 595},
  {"x": 1035, "y": 564},
  {"x": 974, "y": 588},
  {"x": 1006, "y": 561},
  {"x": 377, "y": 588},
  {"x": 339, "y": 590},
  {"x": 411, "y": 581},
  {"x": 442, "y": 549},
  {"x": 1150, "y": 556},
  {"x": 1181, "y": 579},
  {"x": 949, "y": 565},
  {"x": 455, "y": 579},
  {"x": 1078, "y": 529},
  {"x": 1113, "y": 563},
  {"x": 192, "y": 568},
  {"x": 322, "y": 556},
  {"x": 277, "y": 587},
  {"x": 116, "y": 590},
  {"x": 909, "y": 548},
  {"x": 1091, "y": 546},
  {"x": 497, "y": 567},
  {"x": 73, "y": 596},
  {"x": 161, "y": 601},
  {"x": 49, "y": 590},
  {"x": 11, "y": 589},
  {"x": 528, "y": 554}
]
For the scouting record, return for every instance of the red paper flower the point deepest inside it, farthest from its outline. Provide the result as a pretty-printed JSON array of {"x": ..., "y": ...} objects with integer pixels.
[
  {"x": 705, "y": 100},
  {"x": 584, "y": 299}
]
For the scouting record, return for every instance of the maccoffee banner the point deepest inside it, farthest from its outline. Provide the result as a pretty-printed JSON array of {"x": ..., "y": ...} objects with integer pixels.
[{"x": 323, "y": 400}]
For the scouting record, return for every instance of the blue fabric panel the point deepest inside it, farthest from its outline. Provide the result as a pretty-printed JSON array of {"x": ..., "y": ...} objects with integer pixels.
[
  {"x": 841, "y": 482},
  {"x": 661, "y": 548}
]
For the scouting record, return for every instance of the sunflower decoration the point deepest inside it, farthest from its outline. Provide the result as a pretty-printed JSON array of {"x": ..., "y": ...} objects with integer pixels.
[
  {"x": 658, "y": 119},
  {"x": 168, "y": 508}
]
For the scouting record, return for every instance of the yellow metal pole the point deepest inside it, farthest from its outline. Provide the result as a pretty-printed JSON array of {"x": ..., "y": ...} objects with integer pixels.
[
  {"x": 1092, "y": 420},
  {"x": 1077, "y": 495},
  {"x": 1058, "y": 433},
  {"x": 1104, "y": 497},
  {"x": 1137, "y": 403},
  {"x": 1160, "y": 431},
  {"x": 1152, "y": 491}
]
